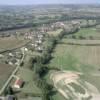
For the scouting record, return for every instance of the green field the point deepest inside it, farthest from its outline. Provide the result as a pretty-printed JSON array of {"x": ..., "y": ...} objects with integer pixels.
[
  {"x": 29, "y": 86},
  {"x": 88, "y": 32}
]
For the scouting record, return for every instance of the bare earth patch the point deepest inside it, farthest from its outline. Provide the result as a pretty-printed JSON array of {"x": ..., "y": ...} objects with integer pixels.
[{"x": 70, "y": 85}]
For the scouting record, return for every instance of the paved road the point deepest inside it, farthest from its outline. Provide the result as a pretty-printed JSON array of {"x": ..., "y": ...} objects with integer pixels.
[{"x": 11, "y": 76}]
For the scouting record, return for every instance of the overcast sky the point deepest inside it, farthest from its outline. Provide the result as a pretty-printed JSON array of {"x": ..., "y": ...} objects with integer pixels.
[{"x": 27, "y": 2}]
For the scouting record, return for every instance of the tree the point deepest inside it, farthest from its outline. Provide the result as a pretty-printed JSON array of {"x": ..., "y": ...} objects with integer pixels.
[
  {"x": 46, "y": 57},
  {"x": 9, "y": 91}
]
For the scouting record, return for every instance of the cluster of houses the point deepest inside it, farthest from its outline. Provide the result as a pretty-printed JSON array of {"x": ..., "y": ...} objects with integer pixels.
[
  {"x": 11, "y": 58},
  {"x": 37, "y": 39}
]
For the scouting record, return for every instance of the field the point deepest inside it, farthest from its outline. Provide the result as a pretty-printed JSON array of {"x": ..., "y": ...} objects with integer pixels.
[
  {"x": 78, "y": 58},
  {"x": 29, "y": 86},
  {"x": 55, "y": 33},
  {"x": 66, "y": 55},
  {"x": 88, "y": 32},
  {"x": 5, "y": 72},
  {"x": 9, "y": 43},
  {"x": 81, "y": 42}
]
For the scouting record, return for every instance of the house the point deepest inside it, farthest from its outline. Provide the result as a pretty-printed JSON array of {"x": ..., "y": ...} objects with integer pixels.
[
  {"x": 11, "y": 55},
  {"x": 38, "y": 41},
  {"x": 10, "y": 97},
  {"x": 10, "y": 63},
  {"x": 1, "y": 56},
  {"x": 18, "y": 55},
  {"x": 18, "y": 83},
  {"x": 26, "y": 49},
  {"x": 13, "y": 61},
  {"x": 39, "y": 48}
]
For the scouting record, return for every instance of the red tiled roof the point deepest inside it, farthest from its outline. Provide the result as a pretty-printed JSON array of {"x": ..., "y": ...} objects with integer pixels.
[{"x": 19, "y": 82}]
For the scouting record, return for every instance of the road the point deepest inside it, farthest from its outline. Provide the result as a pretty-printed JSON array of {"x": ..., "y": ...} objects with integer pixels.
[{"x": 11, "y": 76}]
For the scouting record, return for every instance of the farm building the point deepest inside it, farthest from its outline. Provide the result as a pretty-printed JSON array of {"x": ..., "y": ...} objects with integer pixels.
[{"x": 18, "y": 83}]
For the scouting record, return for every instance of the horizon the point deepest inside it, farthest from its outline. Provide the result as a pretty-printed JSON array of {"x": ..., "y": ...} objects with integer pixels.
[{"x": 50, "y": 2}]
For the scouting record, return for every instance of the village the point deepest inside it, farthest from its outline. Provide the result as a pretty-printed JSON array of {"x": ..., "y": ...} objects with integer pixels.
[
  {"x": 21, "y": 76},
  {"x": 16, "y": 57}
]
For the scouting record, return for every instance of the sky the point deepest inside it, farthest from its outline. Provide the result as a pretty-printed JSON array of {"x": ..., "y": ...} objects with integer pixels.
[{"x": 30, "y": 2}]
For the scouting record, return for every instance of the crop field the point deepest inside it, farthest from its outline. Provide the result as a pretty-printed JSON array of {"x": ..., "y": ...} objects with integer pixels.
[
  {"x": 88, "y": 32},
  {"x": 9, "y": 43},
  {"x": 5, "y": 72},
  {"x": 82, "y": 59}
]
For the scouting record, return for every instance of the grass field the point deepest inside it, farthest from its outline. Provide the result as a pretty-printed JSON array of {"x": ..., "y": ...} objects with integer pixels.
[
  {"x": 29, "y": 86},
  {"x": 9, "y": 43},
  {"x": 5, "y": 72},
  {"x": 88, "y": 32}
]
